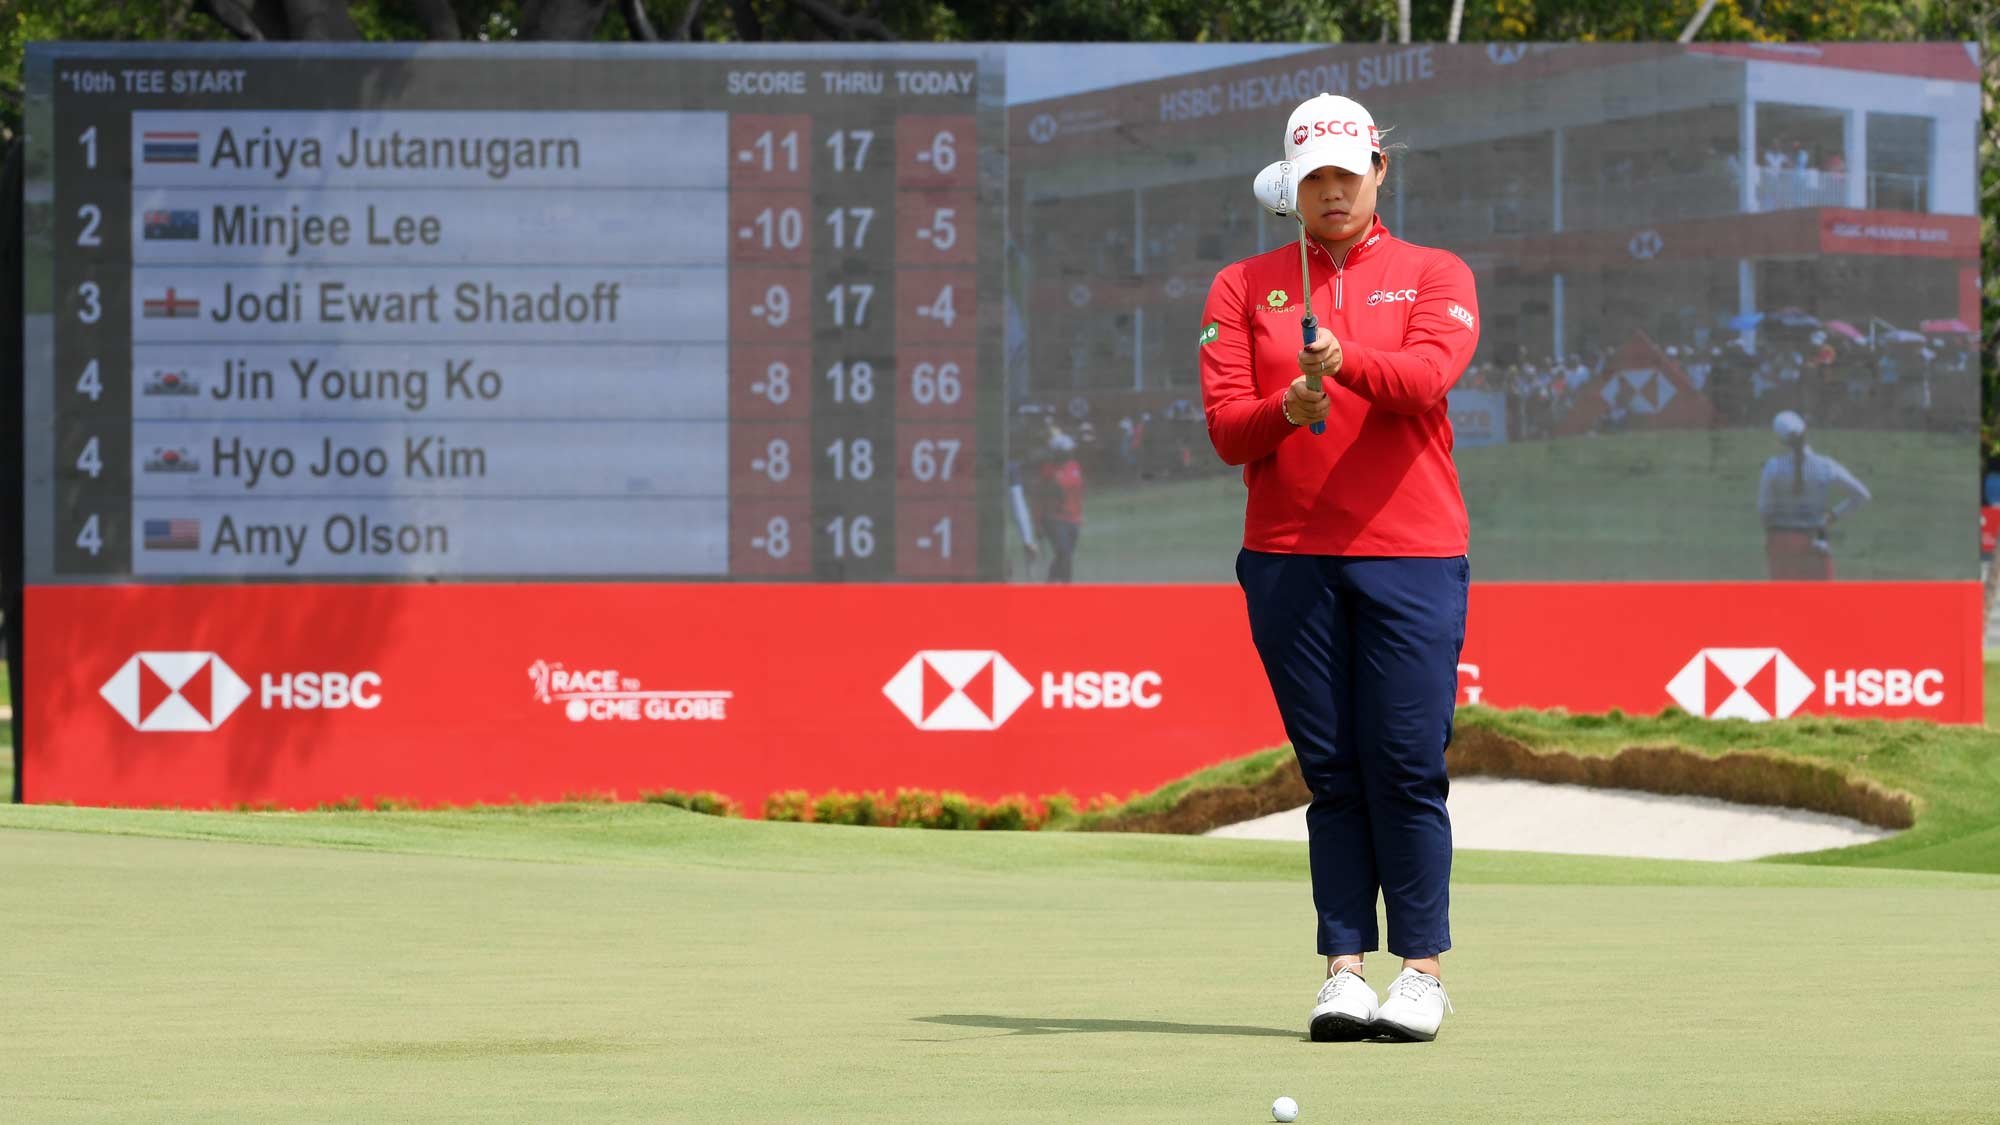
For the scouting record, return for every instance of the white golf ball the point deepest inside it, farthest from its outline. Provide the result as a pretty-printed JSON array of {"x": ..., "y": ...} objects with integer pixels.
[{"x": 1285, "y": 1109}]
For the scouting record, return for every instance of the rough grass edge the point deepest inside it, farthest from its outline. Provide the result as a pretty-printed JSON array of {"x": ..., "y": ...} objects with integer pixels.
[{"x": 1273, "y": 783}]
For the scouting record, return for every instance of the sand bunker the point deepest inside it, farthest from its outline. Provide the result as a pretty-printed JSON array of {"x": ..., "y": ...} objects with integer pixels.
[{"x": 1535, "y": 816}]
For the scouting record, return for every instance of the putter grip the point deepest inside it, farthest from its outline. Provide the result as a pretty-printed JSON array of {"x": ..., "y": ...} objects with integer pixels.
[{"x": 1310, "y": 327}]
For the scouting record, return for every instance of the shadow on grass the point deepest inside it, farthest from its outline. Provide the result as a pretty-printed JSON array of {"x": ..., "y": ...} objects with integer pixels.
[{"x": 1028, "y": 1025}]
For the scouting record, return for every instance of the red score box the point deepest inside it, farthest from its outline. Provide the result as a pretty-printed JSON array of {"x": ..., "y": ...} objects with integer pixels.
[
  {"x": 768, "y": 459},
  {"x": 936, "y": 459},
  {"x": 937, "y": 383},
  {"x": 770, "y": 383},
  {"x": 770, "y": 538},
  {"x": 768, "y": 306},
  {"x": 770, "y": 227},
  {"x": 936, "y": 152},
  {"x": 770, "y": 150},
  {"x": 937, "y": 538},
  {"x": 937, "y": 228},
  {"x": 935, "y": 306}
]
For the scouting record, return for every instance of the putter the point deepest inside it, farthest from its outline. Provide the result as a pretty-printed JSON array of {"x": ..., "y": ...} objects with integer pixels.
[{"x": 1276, "y": 187}]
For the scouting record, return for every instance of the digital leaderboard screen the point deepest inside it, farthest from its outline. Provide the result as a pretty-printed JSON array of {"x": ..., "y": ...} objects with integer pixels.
[{"x": 481, "y": 314}]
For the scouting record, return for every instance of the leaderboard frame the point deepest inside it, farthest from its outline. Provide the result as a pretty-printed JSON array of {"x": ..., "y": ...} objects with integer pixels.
[{"x": 765, "y": 346}]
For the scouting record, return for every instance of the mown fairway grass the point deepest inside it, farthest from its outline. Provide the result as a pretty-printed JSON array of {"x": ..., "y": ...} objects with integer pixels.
[
  {"x": 1661, "y": 506},
  {"x": 636, "y": 963}
]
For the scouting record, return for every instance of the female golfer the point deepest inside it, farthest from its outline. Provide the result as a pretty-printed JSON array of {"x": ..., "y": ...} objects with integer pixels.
[
  {"x": 1353, "y": 563},
  {"x": 1792, "y": 498}
]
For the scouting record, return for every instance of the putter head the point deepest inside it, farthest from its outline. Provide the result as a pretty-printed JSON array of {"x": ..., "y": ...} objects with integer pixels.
[{"x": 1277, "y": 188}]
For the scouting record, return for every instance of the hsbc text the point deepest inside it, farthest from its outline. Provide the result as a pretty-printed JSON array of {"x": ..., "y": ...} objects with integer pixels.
[
  {"x": 1885, "y": 687},
  {"x": 328, "y": 691},
  {"x": 1091, "y": 690}
]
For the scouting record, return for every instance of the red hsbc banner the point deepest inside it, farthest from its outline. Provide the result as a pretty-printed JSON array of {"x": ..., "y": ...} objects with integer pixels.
[{"x": 296, "y": 695}]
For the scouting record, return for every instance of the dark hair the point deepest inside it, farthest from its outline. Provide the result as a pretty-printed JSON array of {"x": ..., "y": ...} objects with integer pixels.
[{"x": 1379, "y": 159}]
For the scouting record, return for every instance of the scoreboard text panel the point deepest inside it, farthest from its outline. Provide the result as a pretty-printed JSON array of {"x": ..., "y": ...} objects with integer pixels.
[{"x": 394, "y": 316}]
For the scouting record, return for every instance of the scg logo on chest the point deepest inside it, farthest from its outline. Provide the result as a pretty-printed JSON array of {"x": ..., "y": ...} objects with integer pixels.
[{"x": 1390, "y": 296}]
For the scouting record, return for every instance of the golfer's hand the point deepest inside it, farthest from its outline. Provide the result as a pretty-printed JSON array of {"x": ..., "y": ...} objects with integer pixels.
[
  {"x": 1303, "y": 405},
  {"x": 1321, "y": 357}
]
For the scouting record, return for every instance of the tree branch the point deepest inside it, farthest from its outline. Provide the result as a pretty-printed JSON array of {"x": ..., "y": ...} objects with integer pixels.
[
  {"x": 749, "y": 28},
  {"x": 1694, "y": 25},
  {"x": 440, "y": 22},
  {"x": 684, "y": 30},
  {"x": 176, "y": 17},
  {"x": 845, "y": 26},
  {"x": 567, "y": 21},
  {"x": 637, "y": 21},
  {"x": 234, "y": 16},
  {"x": 320, "y": 20}
]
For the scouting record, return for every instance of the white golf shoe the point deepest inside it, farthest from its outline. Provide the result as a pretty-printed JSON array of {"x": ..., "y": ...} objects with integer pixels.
[
  {"x": 1345, "y": 1010},
  {"x": 1415, "y": 1007}
]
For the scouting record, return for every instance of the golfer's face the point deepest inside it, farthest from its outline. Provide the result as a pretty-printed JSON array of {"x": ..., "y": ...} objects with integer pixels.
[{"x": 1336, "y": 203}]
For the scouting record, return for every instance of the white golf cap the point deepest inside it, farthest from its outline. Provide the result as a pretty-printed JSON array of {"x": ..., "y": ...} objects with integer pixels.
[
  {"x": 1331, "y": 130},
  {"x": 1788, "y": 425}
]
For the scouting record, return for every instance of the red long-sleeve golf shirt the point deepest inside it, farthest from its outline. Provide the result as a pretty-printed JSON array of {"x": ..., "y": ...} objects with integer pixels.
[{"x": 1380, "y": 481}]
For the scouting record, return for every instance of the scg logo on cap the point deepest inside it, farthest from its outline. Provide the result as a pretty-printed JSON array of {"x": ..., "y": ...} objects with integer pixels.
[{"x": 1334, "y": 129}]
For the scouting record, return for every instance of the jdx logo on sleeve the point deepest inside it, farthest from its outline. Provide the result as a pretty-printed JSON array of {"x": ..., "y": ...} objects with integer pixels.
[
  {"x": 198, "y": 691},
  {"x": 1763, "y": 683},
  {"x": 605, "y": 695},
  {"x": 978, "y": 689}
]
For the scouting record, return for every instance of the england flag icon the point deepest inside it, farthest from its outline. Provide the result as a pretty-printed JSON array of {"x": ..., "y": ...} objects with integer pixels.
[{"x": 175, "y": 691}]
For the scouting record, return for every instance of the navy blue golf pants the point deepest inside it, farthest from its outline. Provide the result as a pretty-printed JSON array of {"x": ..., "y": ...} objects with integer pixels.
[{"x": 1362, "y": 654}]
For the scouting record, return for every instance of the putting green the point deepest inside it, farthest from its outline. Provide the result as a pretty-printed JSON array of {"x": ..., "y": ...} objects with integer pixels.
[{"x": 638, "y": 963}]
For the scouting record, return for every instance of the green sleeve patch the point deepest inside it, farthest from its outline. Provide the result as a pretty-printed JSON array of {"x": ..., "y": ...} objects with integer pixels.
[{"x": 1210, "y": 331}]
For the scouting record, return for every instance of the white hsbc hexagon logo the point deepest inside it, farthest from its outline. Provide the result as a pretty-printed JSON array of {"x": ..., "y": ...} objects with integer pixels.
[
  {"x": 175, "y": 691},
  {"x": 957, "y": 689},
  {"x": 977, "y": 689},
  {"x": 1763, "y": 683},
  {"x": 198, "y": 691},
  {"x": 1741, "y": 683}
]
